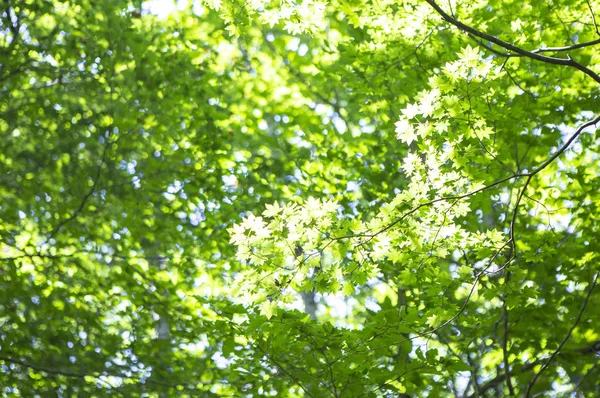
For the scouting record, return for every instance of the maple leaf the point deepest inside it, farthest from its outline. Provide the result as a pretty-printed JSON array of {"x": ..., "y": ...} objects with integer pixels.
[
  {"x": 405, "y": 131},
  {"x": 411, "y": 110},
  {"x": 268, "y": 308},
  {"x": 272, "y": 210},
  {"x": 469, "y": 55},
  {"x": 411, "y": 163}
]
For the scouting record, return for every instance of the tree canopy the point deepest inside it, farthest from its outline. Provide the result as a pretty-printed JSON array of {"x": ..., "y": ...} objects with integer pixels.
[{"x": 308, "y": 198}]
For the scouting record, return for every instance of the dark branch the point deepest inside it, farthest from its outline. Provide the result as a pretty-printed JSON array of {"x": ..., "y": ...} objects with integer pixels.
[
  {"x": 576, "y": 387},
  {"x": 541, "y": 49},
  {"x": 507, "y": 46},
  {"x": 593, "y": 16},
  {"x": 480, "y": 274},
  {"x": 61, "y": 224},
  {"x": 81, "y": 375},
  {"x": 500, "y": 378},
  {"x": 564, "y": 341},
  {"x": 567, "y": 144},
  {"x": 511, "y": 389}
]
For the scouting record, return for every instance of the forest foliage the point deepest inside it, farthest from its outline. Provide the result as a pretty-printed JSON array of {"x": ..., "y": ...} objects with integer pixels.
[{"x": 344, "y": 198}]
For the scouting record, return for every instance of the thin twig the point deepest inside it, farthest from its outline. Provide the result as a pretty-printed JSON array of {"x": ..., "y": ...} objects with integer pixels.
[
  {"x": 81, "y": 375},
  {"x": 500, "y": 378},
  {"x": 91, "y": 191},
  {"x": 511, "y": 389},
  {"x": 593, "y": 16},
  {"x": 576, "y": 387},
  {"x": 512, "y": 254},
  {"x": 564, "y": 341}
]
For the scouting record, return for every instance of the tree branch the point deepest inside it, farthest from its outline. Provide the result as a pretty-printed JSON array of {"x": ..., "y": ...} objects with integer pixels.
[
  {"x": 541, "y": 49},
  {"x": 576, "y": 387},
  {"x": 521, "y": 52},
  {"x": 566, "y": 144},
  {"x": 480, "y": 274},
  {"x": 511, "y": 389},
  {"x": 500, "y": 378},
  {"x": 81, "y": 375},
  {"x": 593, "y": 17},
  {"x": 75, "y": 213},
  {"x": 564, "y": 341},
  {"x": 541, "y": 167}
]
